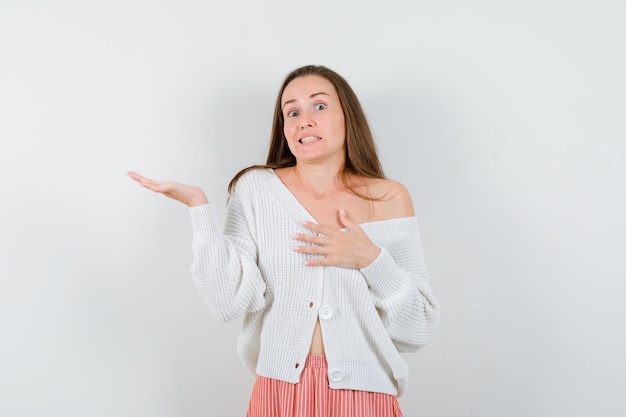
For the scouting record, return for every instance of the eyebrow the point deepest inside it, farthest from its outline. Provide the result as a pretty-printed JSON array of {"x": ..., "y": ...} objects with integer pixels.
[{"x": 311, "y": 96}]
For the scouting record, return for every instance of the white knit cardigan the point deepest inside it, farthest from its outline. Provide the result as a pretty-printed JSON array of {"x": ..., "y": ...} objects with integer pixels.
[{"x": 367, "y": 316}]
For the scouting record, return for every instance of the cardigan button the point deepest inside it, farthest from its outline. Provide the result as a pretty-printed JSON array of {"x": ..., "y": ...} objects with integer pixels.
[
  {"x": 326, "y": 312},
  {"x": 336, "y": 375}
]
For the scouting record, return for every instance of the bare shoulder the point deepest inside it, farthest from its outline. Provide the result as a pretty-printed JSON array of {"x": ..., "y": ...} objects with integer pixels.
[{"x": 394, "y": 200}]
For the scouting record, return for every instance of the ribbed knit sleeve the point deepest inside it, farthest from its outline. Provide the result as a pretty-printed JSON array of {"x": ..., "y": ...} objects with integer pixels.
[
  {"x": 400, "y": 289},
  {"x": 224, "y": 265}
]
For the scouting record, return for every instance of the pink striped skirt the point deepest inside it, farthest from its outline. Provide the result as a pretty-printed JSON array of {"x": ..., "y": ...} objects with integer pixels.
[{"x": 313, "y": 398}]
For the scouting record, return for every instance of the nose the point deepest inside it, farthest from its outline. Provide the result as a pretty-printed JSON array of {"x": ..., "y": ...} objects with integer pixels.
[{"x": 306, "y": 121}]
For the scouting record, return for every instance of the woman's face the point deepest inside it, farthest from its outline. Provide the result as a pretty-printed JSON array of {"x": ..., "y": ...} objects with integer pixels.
[{"x": 314, "y": 120}]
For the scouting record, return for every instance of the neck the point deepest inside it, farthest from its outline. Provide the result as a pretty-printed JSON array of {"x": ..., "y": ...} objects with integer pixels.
[{"x": 320, "y": 179}]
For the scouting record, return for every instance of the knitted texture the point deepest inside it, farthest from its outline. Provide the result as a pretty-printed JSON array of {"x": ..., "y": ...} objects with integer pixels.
[{"x": 367, "y": 316}]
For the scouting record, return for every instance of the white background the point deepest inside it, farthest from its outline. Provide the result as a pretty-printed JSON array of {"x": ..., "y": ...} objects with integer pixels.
[{"x": 506, "y": 121}]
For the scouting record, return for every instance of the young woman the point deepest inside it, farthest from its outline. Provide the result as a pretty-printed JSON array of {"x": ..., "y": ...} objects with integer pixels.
[{"x": 321, "y": 255}]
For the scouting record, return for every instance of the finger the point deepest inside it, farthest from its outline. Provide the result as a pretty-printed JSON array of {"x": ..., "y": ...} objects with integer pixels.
[
  {"x": 318, "y": 228},
  {"x": 143, "y": 181},
  {"x": 328, "y": 260},
  {"x": 165, "y": 188},
  {"x": 311, "y": 250},
  {"x": 316, "y": 240},
  {"x": 317, "y": 262},
  {"x": 135, "y": 176},
  {"x": 346, "y": 220},
  {"x": 152, "y": 185}
]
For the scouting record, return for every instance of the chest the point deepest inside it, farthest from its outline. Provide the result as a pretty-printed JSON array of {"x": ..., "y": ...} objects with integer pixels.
[{"x": 326, "y": 210}]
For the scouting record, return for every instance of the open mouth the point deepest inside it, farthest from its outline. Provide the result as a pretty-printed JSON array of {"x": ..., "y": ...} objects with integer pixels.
[{"x": 309, "y": 139}]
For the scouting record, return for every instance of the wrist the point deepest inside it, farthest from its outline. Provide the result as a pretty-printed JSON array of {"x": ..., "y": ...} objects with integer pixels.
[
  {"x": 373, "y": 255},
  {"x": 196, "y": 203},
  {"x": 197, "y": 199}
]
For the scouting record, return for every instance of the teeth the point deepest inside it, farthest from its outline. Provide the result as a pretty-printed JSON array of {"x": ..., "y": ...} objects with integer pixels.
[{"x": 309, "y": 139}]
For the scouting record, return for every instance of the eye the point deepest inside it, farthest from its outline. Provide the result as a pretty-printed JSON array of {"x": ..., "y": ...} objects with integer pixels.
[
  {"x": 292, "y": 113},
  {"x": 320, "y": 106}
]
